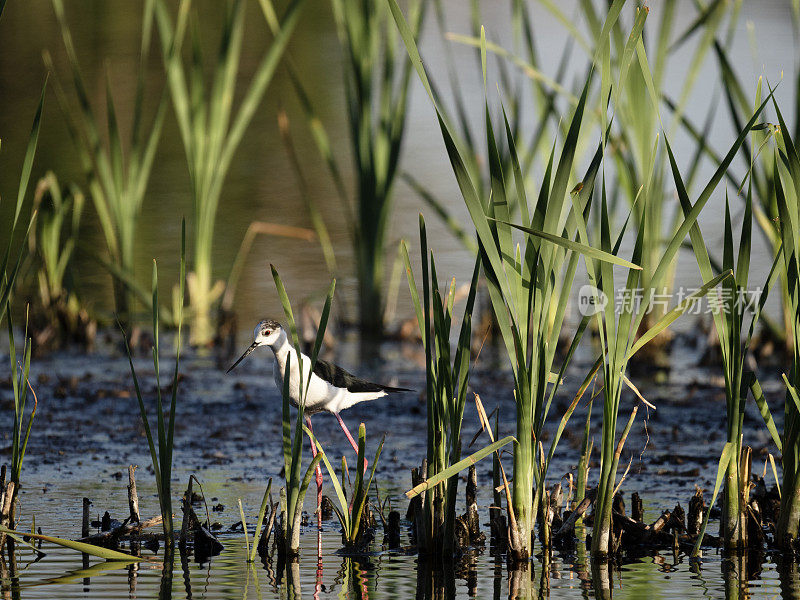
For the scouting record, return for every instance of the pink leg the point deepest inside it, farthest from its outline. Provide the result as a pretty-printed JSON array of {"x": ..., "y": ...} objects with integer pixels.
[
  {"x": 350, "y": 437},
  {"x": 319, "y": 487},
  {"x": 318, "y": 580}
]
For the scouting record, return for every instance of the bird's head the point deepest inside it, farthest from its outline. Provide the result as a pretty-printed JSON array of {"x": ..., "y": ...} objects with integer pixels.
[{"x": 266, "y": 333}]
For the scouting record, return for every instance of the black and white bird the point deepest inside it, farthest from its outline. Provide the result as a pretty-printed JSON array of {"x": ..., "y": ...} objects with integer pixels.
[{"x": 331, "y": 389}]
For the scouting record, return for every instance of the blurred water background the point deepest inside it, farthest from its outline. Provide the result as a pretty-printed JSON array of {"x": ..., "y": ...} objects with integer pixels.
[{"x": 261, "y": 184}]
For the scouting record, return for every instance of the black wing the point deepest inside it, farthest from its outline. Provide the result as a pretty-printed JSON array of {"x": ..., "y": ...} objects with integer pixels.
[{"x": 338, "y": 377}]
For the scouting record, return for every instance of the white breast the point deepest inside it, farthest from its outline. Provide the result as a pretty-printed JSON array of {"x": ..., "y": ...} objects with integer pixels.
[{"x": 320, "y": 394}]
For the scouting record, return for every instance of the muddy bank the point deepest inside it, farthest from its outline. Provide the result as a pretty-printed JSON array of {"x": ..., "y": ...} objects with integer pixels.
[{"x": 87, "y": 424}]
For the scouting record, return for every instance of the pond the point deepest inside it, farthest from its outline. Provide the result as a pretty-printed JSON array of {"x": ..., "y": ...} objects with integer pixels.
[
  {"x": 228, "y": 435},
  {"x": 87, "y": 429}
]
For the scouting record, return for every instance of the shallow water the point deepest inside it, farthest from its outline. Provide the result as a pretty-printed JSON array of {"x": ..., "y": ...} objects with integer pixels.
[
  {"x": 390, "y": 576},
  {"x": 87, "y": 431}
]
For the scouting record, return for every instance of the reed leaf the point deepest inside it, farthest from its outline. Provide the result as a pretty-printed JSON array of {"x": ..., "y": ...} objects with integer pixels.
[
  {"x": 459, "y": 466},
  {"x": 161, "y": 446},
  {"x": 211, "y": 129},
  {"x": 676, "y": 312},
  {"x": 447, "y": 380},
  {"x": 90, "y": 549},
  {"x": 569, "y": 244},
  {"x": 296, "y": 485},
  {"x": 8, "y": 277},
  {"x": 728, "y": 451},
  {"x": 117, "y": 171},
  {"x": 763, "y": 408}
]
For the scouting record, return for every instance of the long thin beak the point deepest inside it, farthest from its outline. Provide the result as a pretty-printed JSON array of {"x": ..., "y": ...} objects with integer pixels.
[{"x": 247, "y": 352}]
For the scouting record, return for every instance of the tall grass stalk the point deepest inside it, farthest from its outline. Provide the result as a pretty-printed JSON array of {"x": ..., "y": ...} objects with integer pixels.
[
  {"x": 376, "y": 83},
  {"x": 619, "y": 328},
  {"x": 297, "y": 482},
  {"x": 23, "y": 419},
  {"x": 544, "y": 93},
  {"x": 161, "y": 446},
  {"x": 786, "y": 165},
  {"x": 760, "y": 166},
  {"x": 447, "y": 380},
  {"x": 210, "y": 127},
  {"x": 350, "y": 513},
  {"x": 55, "y": 237},
  {"x": 117, "y": 172},
  {"x": 9, "y": 267},
  {"x": 730, "y": 317},
  {"x": 529, "y": 284}
]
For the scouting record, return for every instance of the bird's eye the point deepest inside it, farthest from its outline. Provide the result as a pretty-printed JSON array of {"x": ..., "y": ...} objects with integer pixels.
[{"x": 266, "y": 332}]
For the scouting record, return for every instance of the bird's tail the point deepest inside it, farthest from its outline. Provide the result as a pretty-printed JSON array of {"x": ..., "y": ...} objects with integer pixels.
[{"x": 391, "y": 390}]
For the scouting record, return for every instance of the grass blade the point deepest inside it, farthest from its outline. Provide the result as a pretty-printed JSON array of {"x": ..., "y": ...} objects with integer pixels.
[
  {"x": 724, "y": 460},
  {"x": 459, "y": 466},
  {"x": 569, "y": 244},
  {"x": 90, "y": 549}
]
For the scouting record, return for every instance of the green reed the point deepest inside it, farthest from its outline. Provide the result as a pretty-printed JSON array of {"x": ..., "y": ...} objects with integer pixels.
[
  {"x": 620, "y": 327},
  {"x": 544, "y": 93},
  {"x": 786, "y": 166},
  {"x": 23, "y": 419},
  {"x": 529, "y": 284},
  {"x": 117, "y": 171},
  {"x": 350, "y": 513},
  {"x": 252, "y": 548},
  {"x": 161, "y": 447},
  {"x": 296, "y": 484},
  {"x": 52, "y": 246},
  {"x": 376, "y": 86},
  {"x": 730, "y": 317},
  {"x": 617, "y": 327},
  {"x": 211, "y": 128},
  {"x": 447, "y": 381}
]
